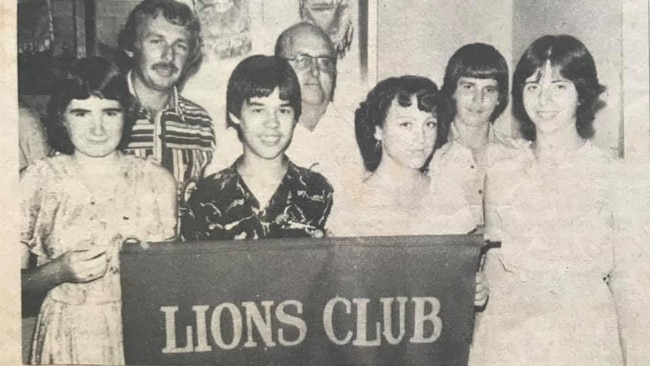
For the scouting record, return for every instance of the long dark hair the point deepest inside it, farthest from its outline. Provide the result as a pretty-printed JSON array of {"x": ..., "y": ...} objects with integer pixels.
[{"x": 576, "y": 64}]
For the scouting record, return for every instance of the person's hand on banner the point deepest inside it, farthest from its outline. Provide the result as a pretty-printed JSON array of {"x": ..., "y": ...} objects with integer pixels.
[
  {"x": 317, "y": 234},
  {"x": 482, "y": 290}
]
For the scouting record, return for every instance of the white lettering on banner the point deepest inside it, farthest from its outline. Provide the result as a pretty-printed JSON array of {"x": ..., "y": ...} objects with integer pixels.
[
  {"x": 421, "y": 318},
  {"x": 297, "y": 322},
  {"x": 327, "y": 320},
  {"x": 215, "y": 325},
  {"x": 388, "y": 319},
  {"x": 170, "y": 332},
  {"x": 229, "y": 312},
  {"x": 201, "y": 331},
  {"x": 273, "y": 327},
  {"x": 361, "y": 306},
  {"x": 253, "y": 316},
  {"x": 362, "y": 321}
]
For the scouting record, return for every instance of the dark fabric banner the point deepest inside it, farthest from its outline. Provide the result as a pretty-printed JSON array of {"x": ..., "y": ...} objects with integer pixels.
[{"x": 335, "y": 301}]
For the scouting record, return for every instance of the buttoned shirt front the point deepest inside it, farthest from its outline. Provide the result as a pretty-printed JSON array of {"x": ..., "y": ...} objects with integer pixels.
[
  {"x": 456, "y": 162},
  {"x": 180, "y": 137},
  {"x": 224, "y": 207}
]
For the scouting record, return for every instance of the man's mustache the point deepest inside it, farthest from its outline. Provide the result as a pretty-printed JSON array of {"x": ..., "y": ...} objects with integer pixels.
[{"x": 163, "y": 65}]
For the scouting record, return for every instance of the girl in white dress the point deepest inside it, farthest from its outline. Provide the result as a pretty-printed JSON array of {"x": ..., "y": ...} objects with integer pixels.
[
  {"x": 78, "y": 208},
  {"x": 397, "y": 131},
  {"x": 559, "y": 284}
]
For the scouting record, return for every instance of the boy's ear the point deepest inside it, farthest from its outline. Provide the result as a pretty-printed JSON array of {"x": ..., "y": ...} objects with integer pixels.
[{"x": 234, "y": 118}]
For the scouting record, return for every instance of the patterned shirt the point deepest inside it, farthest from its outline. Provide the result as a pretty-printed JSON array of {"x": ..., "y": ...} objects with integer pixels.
[
  {"x": 185, "y": 143},
  {"x": 223, "y": 207}
]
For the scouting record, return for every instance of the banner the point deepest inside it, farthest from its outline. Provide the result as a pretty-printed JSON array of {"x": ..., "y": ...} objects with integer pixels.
[{"x": 333, "y": 301}]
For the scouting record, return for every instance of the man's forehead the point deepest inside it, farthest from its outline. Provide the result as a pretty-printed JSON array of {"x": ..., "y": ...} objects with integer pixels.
[
  {"x": 310, "y": 44},
  {"x": 159, "y": 24},
  {"x": 481, "y": 81}
]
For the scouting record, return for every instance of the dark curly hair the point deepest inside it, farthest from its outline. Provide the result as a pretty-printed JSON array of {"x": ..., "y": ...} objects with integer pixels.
[
  {"x": 93, "y": 76},
  {"x": 258, "y": 76},
  {"x": 176, "y": 13},
  {"x": 576, "y": 64},
  {"x": 372, "y": 112},
  {"x": 476, "y": 60}
]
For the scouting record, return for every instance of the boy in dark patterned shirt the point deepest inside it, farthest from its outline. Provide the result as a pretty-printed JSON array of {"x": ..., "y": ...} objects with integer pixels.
[{"x": 263, "y": 194}]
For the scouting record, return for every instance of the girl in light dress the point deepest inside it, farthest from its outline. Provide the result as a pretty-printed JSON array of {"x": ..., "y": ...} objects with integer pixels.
[
  {"x": 78, "y": 208},
  {"x": 397, "y": 131},
  {"x": 561, "y": 287}
]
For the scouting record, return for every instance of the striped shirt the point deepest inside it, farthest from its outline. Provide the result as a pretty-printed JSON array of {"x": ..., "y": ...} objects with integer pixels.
[{"x": 185, "y": 143}]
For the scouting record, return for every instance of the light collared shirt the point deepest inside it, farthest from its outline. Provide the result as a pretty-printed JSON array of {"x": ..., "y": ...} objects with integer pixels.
[
  {"x": 456, "y": 162},
  {"x": 330, "y": 149},
  {"x": 180, "y": 137}
]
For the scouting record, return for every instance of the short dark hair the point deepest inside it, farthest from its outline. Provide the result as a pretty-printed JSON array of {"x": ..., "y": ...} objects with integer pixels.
[
  {"x": 373, "y": 111},
  {"x": 258, "y": 76},
  {"x": 286, "y": 37},
  {"x": 176, "y": 13},
  {"x": 92, "y": 76},
  {"x": 575, "y": 63},
  {"x": 476, "y": 60}
]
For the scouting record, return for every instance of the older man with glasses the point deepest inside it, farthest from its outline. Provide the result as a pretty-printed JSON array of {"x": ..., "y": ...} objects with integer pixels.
[{"x": 323, "y": 140}]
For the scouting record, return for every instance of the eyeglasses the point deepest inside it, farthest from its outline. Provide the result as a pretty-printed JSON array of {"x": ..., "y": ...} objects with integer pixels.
[{"x": 306, "y": 62}]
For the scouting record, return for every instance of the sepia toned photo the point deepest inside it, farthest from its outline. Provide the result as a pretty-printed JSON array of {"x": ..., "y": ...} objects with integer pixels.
[{"x": 327, "y": 182}]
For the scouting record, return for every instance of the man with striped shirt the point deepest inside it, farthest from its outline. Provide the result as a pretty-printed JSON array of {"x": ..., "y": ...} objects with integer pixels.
[{"x": 162, "y": 41}]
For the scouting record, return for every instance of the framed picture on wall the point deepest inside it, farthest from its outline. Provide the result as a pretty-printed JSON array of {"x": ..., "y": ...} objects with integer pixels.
[{"x": 225, "y": 26}]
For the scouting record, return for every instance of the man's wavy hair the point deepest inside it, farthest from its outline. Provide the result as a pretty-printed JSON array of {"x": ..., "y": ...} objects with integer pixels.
[
  {"x": 89, "y": 77},
  {"x": 176, "y": 13},
  {"x": 574, "y": 63},
  {"x": 373, "y": 111}
]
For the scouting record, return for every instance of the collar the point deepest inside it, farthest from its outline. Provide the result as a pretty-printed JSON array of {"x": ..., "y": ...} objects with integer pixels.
[
  {"x": 292, "y": 172},
  {"x": 455, "y": 135},
  {"x": 172, "y": 103}
]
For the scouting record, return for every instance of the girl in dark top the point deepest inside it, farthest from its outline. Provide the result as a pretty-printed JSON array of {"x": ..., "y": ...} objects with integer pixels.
[{"x": 263, "y": 194}]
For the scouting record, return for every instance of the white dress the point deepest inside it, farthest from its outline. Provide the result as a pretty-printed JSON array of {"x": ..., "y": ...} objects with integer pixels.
[
  {"x": 550, "y": 303},
  {"x": 363, "y": 211},
  {"x": 81, "y": 323}
]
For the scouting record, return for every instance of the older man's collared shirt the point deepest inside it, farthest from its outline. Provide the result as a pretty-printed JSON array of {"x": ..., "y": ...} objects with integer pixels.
[
  {"x": 330, "y": 149},
  {"x": 455, "y": 162},
  {"x": 180, "y": 137}
]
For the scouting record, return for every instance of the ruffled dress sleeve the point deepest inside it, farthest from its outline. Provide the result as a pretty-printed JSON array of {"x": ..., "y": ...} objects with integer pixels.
[{"x": 34, "y": 221}]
